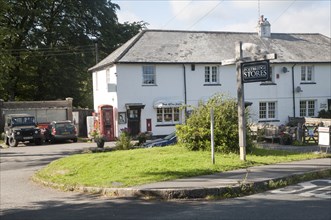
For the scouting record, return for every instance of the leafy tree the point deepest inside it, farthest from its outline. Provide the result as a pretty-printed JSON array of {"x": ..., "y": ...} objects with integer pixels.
[
  {"x": 195, "y": 134},
  {"x": 48, "y": 45}
]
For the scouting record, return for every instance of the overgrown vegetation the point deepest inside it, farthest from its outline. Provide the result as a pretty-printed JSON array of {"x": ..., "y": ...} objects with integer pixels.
[{"x": 195, "y": 134}]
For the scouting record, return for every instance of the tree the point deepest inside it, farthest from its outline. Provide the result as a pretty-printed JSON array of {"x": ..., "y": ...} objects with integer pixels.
[
  {"x": 195, "y": 134},
  {"x": 48, "y": 45}
]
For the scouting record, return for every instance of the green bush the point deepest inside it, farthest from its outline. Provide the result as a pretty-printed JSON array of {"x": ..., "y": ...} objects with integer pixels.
[
  {"x": 124, "y": 140},
  {"x": 324, "y": 114},
  {"x": 195, "y": 134}
]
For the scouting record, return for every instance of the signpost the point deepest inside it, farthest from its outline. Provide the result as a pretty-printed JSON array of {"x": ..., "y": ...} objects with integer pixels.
[{"x": 249, "y": 69}]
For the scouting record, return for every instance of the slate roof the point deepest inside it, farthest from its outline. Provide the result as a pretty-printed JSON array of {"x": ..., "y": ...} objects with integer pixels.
[{"x": 163, "y": 46}]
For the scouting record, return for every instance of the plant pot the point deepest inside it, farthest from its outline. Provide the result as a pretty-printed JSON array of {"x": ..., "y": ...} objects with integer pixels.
[{"x": 100, "y": 143}]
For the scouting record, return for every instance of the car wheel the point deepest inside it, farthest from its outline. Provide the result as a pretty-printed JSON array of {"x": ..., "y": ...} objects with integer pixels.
[
  {"x": 6, "y": 141},
  {"x": 12, "y": 142},
  {"x": 52, "y": 140},
  {"x": 38, "y": 141},
  {"x": 74, "y": 140}
]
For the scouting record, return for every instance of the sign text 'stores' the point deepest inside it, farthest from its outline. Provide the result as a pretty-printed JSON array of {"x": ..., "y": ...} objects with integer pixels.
[{"x": 255, "y": 71}]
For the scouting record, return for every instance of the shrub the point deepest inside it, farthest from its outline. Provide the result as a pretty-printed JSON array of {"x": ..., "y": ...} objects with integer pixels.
[
  {"x": 124, "y": 140},
  {"x": 195, "y": 134},
  {"x": 324, "y": 114},
  {"x": 143, "y": 136}
]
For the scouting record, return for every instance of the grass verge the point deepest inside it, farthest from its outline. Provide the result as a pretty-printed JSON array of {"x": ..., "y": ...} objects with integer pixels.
[{"x": 141, "y": 166}]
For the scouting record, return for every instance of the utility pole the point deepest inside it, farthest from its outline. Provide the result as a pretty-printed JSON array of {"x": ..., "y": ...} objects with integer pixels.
[
  {"x": 257, "y": 63},
  {"x": 96, "y": 52},
  {"x": 212, "y": 135},
  {"x": 241, "y": 103}
]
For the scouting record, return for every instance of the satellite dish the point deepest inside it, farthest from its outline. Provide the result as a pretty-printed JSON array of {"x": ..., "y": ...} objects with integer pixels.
[
  {"x": 285, "y": 70},
  {"x": 298, "y": 89}
]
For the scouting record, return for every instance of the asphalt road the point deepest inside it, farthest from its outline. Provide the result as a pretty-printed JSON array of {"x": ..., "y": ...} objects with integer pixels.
[{"x": 23, "y": 199}]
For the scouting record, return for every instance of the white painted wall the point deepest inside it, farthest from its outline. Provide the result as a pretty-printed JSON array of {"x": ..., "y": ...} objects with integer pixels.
[
  {"x": 101, "y": 96},
  {"x": 170, "y": 83}
]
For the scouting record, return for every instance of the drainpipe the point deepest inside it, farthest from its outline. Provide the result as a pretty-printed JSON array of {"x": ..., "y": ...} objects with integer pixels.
[
  {"x": 293, "y": 90},
  {"x": 185, "y": 95}
]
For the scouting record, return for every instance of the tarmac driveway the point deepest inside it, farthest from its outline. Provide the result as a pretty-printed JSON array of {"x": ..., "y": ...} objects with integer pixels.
[
  {"x": 23, "y": 199},
  {"x": 18, "y": 164}
]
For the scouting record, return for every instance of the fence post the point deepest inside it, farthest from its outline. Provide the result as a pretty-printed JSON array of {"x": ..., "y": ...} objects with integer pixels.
[{"x": 299, "y": 133}]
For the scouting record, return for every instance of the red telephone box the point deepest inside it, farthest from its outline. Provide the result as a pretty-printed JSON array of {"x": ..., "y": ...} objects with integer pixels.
[{"x": 106, "y": 121}]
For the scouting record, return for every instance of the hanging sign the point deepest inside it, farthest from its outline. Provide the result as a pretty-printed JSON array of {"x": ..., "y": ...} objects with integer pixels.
[{"x": 255, "y": 71}]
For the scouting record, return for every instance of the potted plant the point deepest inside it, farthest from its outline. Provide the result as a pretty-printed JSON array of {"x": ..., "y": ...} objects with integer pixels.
[{"x": 98, "y": 138}]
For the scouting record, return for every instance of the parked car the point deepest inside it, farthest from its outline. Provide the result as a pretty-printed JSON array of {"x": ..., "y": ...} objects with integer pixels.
[
  {"x": 21, "y": 128},
  {"x": 167, "y": 140},
  {"x": 61, "y": 131}
]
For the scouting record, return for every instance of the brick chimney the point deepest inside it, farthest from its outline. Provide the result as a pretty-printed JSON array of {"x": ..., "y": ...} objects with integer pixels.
[{"x": 263, "y": 28}]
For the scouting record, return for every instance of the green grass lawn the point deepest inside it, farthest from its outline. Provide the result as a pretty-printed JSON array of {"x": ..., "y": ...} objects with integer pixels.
[{"x": 140, "y": 166}]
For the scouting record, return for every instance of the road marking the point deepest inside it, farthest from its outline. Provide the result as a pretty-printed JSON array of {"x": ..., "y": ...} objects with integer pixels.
[{"x": 320, "y": 188}]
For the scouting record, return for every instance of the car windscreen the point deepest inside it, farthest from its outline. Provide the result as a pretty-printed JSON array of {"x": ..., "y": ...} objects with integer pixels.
[
  {"x": 66, "y": 126},
  {"x": 21, "y": 121},
  {"x": 168, "y": 137}
]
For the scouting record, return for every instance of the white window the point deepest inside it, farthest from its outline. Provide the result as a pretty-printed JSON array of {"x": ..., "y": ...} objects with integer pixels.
[
  {"x": 307, "y": 73},
  {"x": 211, "y": 74},
  {"x": 267, "y": 110},
  {"x": 307, "y": 108},
  {"x": 149, "y": 76},
  {"x": 168, "y": 115}
]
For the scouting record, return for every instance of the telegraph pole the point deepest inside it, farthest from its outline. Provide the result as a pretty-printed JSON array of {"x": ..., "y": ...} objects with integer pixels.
[
  {"x": 241, "y": 103},
  {"x": 252, "y": 65}
]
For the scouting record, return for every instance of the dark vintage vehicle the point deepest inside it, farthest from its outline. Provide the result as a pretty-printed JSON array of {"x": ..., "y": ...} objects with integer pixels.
[
  {"x": 167, "y": 140},
  {"x": 60, "y": 131},
  {"x": 21, "y": 128}
]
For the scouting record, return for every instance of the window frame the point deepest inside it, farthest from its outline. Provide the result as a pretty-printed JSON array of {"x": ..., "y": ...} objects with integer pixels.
[
  {"x": 307, "y": 74},
  {"x": 270, "y": 111},
  {"x": 162, "y": 116},
  {"x": 211, "y": 74},
  {"x": 148, "y": 74},
  {"x": 307, "y": 108}
]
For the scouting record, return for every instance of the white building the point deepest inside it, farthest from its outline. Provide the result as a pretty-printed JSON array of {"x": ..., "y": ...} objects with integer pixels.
[{"x": 151, "y": 76}]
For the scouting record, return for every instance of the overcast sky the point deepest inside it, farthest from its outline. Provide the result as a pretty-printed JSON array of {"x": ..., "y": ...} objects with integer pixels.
[{"x": 285, "y": 16}]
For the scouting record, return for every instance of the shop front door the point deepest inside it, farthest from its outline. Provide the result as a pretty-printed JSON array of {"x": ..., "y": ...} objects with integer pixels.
[{"x": 134, "y": 121}]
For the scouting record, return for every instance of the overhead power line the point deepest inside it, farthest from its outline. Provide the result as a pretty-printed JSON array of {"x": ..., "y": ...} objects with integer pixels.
[
  {"x": 274, "y": 21},
  {"x": 177, "y": 14},
  {"x": 52, "y": 51},
  {"x": 205, "y": 15}
]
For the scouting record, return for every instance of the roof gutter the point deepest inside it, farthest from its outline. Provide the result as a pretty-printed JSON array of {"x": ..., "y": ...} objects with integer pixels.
[
  {"x": 185, "y": 91},
  {"x": 293, "y": 90}
]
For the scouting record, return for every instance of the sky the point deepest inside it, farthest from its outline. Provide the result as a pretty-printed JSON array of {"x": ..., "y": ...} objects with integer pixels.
[{"x": 285, "y": 16}]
